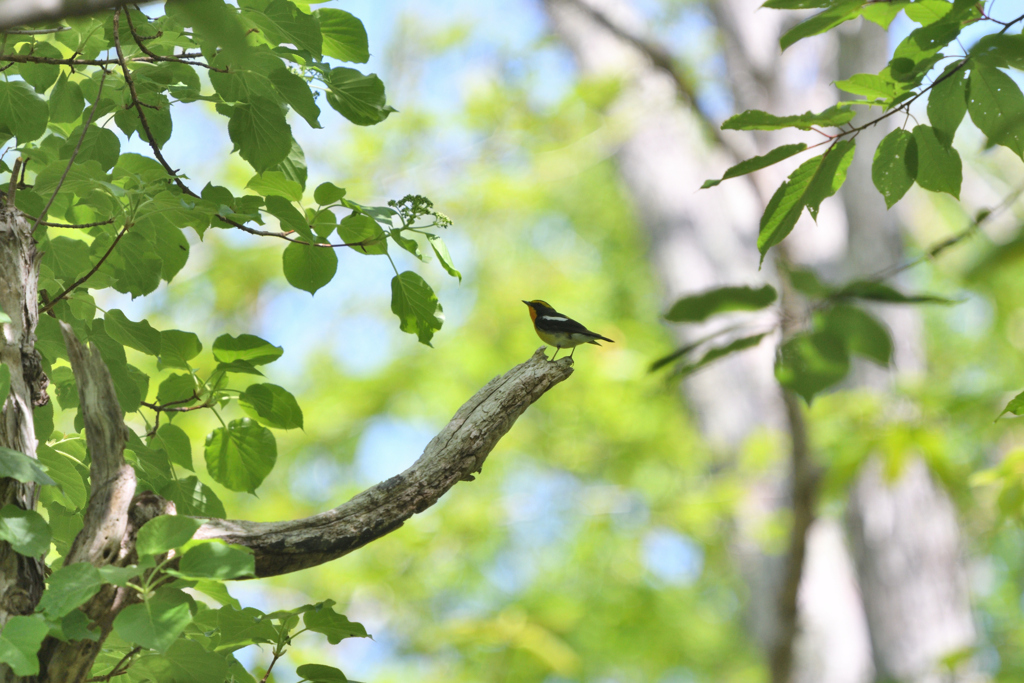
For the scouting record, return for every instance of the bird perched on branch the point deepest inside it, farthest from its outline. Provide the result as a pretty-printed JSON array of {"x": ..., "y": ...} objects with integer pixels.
[{"x": 559, "y": 330}]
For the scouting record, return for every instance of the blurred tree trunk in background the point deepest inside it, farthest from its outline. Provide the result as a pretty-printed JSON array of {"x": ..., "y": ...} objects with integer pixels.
[{"x": 912, "y": 607}]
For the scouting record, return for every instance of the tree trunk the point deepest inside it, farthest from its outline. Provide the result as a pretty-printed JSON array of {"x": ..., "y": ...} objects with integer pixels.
[{"x": 21, "y": 578}]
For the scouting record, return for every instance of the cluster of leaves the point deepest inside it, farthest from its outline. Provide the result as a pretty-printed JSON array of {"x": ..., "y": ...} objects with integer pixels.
[
  {"x": 809, "y": 361},
  {"x": 970, "y": 83},
  {"x": 107, "y": 219},
  {"x": 973, "y": 83},
  {"x": 165, "y": 634}
]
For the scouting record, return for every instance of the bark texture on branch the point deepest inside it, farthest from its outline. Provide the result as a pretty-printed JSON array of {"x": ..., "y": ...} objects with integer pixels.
[
  {"x": 21, "y": 578},
  {"x": 454, "y": 455},
  {"x": 20, "y": 12},
  {"x": 112, "y": 480},
  {"x": 111, "y": 517}
]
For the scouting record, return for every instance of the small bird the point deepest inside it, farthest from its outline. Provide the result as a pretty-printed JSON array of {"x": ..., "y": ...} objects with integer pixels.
[{"x": 559, "y": 330}]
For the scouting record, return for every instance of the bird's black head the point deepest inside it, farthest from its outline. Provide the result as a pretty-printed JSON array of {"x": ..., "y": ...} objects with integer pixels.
[{"x": 540, "y": 306}]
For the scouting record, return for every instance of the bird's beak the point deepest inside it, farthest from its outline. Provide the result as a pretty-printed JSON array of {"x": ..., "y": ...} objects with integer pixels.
[{"x": 525, "y": 302}]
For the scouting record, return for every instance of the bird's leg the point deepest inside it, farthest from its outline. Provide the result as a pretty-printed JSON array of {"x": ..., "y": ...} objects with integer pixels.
[
  {"x": 572, "y": 352},
  {"x": 557, "y": 349}
]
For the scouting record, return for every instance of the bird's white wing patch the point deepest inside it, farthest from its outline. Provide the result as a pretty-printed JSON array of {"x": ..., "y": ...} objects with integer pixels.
[{"x": 553, "y": 317}]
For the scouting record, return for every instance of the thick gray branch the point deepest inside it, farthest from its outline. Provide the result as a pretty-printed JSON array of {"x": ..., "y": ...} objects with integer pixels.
[
  {"x": 21, "y": 578},
  {"x": 457, "y": 452},
  {"x": 112, "y": 479}
]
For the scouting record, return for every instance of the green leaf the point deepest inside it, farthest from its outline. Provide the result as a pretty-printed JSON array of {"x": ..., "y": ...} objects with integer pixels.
[
  {"x": 997, "y": 107},
  {"x": 4, "y": 318},
  {"x": 1015, "y": 406},
  {"x": 757, "y": 163},
  {"x": 785, "y": 206},
  {"x": 810, "y": 363},
  {"x": 173, "y": 441},
  {"x": 701, "y": 306},
  {"x": 164, "y": 533},
  {"x": 1000, "y": 50},
  {"x": 26, "y": 531},
  {"x": 241, "y": 627},
  {"x": 357, "y": 97},
  {"x": 309, "y": 267},
  {"x": 184, "y": 660},
  {"x": 241, "y": 455},
  {"x": 295, "y": 91},
  {"x": 752, "y": 119},
  {"x": 20, "y": 466},
  {"x": 416, "y": 306},
  {"x": 157, "y": 622},
  {"x": 272, "y": 406},
  {"x": 192, "y": 497},
  {"x": 874, "y": 87},
  {"x": 328, "y": 193},
  {"x": 321, "y": 673},
  {"x": 840, "y": 11},
  {"x": 215, "y": 24},
  {"x": 939, "y": 168},
  {"x": 291, "y": 219},
  {"x": 76, "y": 626},
  {"x": 344, "y": 36},
  {"x": 927, "y": 12},
  {"x": 720, "y": 352},
  {"x": 947, "y": 102},
  {"x": 260, "y": 133},
  {"x": 99, "y": 145},
  {"x": 830, "y": 175},
  {"x": 64, "y": 473},
  {"x": 275, "y": 183},
  {"x": 120, "y": 576},
  {"x": 283, "y": 22},
  {"x": 140, "y": 336},
  {"x": 215, "y": 559},
  {"x": 861, "y": 331},
  {"x": 177, "y": 348},
  {"x": 895, "y": 165},
  {"x": 247, "y": 347},
  {"x": 363, "y": 234},
  {"x": 66, "y": 102},
  {"x": 20, "y": 640},
  {"x": 219, "y": 592},
  {"x": 22, "y": 112},
  {"x": 137, "y": 267},
  {"x": 445, "y": 258},
  {"x": 179, "y": 389},
  {"x": 876, "y": 291},
  {"x": 323, "y": 619},
  {"x": 158, "y": 116},
  {"x": 40, "y": 75},
  {"x": 69, "y": 587}
]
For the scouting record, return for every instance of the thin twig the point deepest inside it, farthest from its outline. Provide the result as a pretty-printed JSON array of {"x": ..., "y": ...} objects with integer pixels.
[
  {"x": 72, "y": 61},
  {"x": 35, "y": 31},
  {"x": 48, "y": 307},
  {"x": 138, "y": 39},
  {"x": 74, "y": 154},
  {"x": 117, "y": 670},
  {"x": 942, "y": 245},
  {"x": 135, "y": 100},
  {"x": 72, "y": 226},
  {"x": 277, "y": 656},
  {"x": 14, "y": 181}
]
